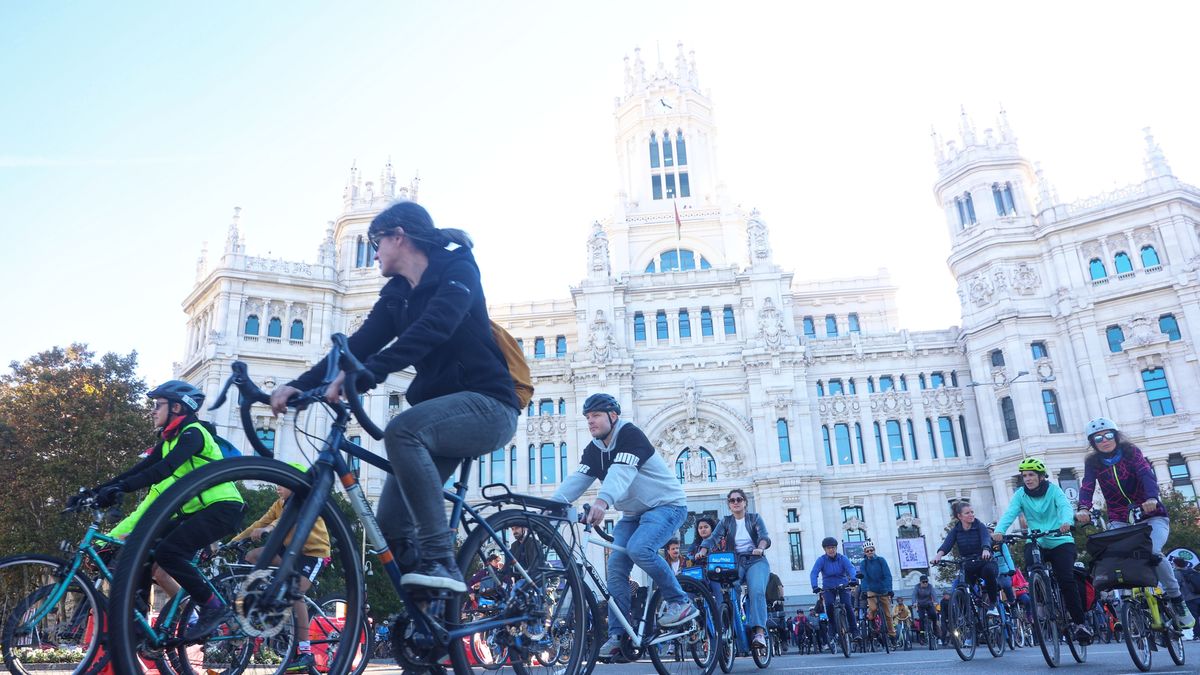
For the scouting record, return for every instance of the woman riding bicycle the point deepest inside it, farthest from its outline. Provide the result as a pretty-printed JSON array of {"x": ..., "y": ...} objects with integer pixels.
[
  {"x": 746, "y": 533},
  {"x": 974, "y": 547},
  {"x": 1046, "y": 508},
  {"x": 1127, "y": 480},
  {"x": 431, "y": 315}
]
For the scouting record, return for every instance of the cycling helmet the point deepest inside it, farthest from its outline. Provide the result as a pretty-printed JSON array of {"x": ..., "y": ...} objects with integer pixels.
[
  {"x": 1101, "y": 424},
  {"x": 601, "y": 403},
  {"x": 1032, "y": 464},
  {"x": 868, "y": 546},
  {"x": 829, "y": 541},
  {"x": 178, "y": 391}
]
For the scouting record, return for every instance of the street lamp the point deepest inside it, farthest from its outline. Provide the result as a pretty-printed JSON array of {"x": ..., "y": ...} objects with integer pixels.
[{"x": 1139, "y": 390}]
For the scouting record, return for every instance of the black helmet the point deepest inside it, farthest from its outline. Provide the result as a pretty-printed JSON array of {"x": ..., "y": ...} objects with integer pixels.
[
  {"x": 178, "y": 391},
  {"x": 829, "y": 541},
  {"x": 601, "y": 403}
]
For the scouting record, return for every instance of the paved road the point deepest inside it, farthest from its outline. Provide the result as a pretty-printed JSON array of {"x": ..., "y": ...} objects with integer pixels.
[{"x": 1110, "y": 659}]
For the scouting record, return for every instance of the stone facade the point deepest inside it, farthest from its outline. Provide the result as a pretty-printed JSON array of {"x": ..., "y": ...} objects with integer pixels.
[{"x": 808, "y": 395}]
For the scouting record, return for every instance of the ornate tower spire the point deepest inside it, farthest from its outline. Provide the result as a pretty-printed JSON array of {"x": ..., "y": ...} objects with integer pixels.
[
  {"x": 233, "y": 241},
  {"x": 966, "y": 128},
  {"x": 681, "y": 64},
  {"x": 1006, "y": 134},
  {"x": 350, "y": 194},
  {"x": 202, "y": 262},
  {"x": 938, "y": 155},
  {"x": 327, "y": 252},
  {"x": 1155, "y": 162},
  {"x": 1047, "y": 196}
]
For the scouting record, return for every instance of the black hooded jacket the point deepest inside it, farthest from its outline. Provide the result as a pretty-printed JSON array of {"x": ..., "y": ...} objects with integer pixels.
[{"x": 441, "y": 328}]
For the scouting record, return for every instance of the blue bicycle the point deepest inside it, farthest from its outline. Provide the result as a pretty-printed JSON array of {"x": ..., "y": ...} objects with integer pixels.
[{"x": 722, "y": 568}]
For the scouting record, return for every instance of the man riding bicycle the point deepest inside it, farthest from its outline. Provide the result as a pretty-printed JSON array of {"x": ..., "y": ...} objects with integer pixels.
[
  {"x": 637, "y": 482},
  {"x": 923, "y": 604},
  {"x": 835, "y": 570},
  {"x": 877, "y": 584}
]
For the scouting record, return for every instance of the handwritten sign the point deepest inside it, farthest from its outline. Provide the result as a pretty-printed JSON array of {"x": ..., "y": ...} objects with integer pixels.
[{"x": 912, "y": 553}]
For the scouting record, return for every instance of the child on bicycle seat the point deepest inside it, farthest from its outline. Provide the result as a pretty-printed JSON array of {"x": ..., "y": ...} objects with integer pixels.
[
  {"x": 186, "y": 443},
  {"x": 311, "y": 562}
]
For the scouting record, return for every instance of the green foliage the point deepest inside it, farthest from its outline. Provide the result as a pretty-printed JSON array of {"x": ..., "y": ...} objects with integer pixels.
[
  {"x": 67, "y": 420},
  {"x": 1185, "y": 521}
]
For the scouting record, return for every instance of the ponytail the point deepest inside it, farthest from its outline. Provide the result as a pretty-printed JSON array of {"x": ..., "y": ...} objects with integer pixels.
[{"x": 453, "y": 235}]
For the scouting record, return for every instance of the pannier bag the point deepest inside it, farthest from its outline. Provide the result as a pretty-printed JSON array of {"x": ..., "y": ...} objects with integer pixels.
[
  {"x": 722, "y": 567},
  {"x": 1123, "y": 558}
]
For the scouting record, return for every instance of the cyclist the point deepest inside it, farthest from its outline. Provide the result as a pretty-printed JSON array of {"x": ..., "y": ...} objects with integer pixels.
[
  {"x": 877, "y": 583},
  {"x": 635, "y": 480},
  {"x": 312, "y": 561},
  {"x": 903, "y": 616},
  {"x": 1189, "y": 584},
  {"x": 925, "y": 607},
  {"x": 186, "y": 443},
  {"x": 704, "y": 528},
  {"x": 835, "y": 570},
  {"x": 1046, "y": 508},
  {"x": 974, "y": 545},
  {"x": 431, "y": 315},
  {"x": 1126, "y": 479},
  {"x": 526, "y": 550},
  {"x": 746, "y": 533}
]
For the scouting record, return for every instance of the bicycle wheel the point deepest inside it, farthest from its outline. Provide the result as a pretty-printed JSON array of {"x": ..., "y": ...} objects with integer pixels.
[
  {"x": 1045, "y": 623},
  {"x": 995, "y": 635},
  {"x": 881, "y": 630},
  {"x": 962, "y": 624},
  {"x": 228, "y": 652},
  {"x": 843, "y": 630},
  {"x": 250, "y": 612},
  {"x": 700, "y": 636},
  {"x": 552, "y": 644},
  {"x": 726, "y": 647},
  {"x": 44, "y": 609},
  {"x": 762, "y": 656},
  {"x": 1173, "y": 638},
  {"x": 595, "y": 633},
  {"x": 1137, "y": 633}
]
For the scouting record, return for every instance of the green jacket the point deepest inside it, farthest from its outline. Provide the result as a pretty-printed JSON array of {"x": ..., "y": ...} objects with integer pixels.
[
  {"x": 1046, "y": 513},
  {"x": 223, "y": 492}
]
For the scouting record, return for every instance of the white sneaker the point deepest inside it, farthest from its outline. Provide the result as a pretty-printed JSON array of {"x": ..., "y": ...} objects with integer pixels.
[
  {"x": 611, "y": 646},
  {"x": 676, "y": 613}
]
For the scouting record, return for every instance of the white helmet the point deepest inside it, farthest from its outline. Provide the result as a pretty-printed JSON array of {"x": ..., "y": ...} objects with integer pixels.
[{"x": 1100, "y": 424}]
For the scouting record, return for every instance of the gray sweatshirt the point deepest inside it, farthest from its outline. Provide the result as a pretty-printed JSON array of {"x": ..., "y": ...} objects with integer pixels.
[{"x": 634, "y": 479}]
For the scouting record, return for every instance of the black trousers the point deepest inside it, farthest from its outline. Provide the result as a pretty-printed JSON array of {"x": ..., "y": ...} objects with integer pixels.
[
  {"x": 1061, "y": 560},
  {"x": 191, "y": 533},
  {"x": 986, "y": 569}
]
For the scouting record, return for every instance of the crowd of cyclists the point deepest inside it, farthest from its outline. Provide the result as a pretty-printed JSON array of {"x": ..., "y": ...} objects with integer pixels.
[{"x": 432, "y": 317}]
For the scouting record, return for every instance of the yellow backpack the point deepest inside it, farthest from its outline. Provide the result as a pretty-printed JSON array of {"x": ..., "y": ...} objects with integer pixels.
[{"x": 518, "y": 368}]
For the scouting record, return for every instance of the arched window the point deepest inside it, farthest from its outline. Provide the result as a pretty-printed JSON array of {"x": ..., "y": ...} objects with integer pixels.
[
  {"x": 825, "y": 442},
  {"x": 810, "y": 329},
  {"x": 1169, "y": 327},
  {"x": 961, "y": 208},
  {"x": 1009, "y": 413},
  {"x": 539, "y": 348},
  {"x": 937, "y": 380},
  {"x": 1050, "y": 405},
  {"x": 360, "y": 252},
  {"x": 532, "y": 464},
  {"x": 1122, "y": 263},
  {"x": 512, "y": 464},
  {"x": 997, "y": 358},
  {"x": 831, "y": 327},
  {"x": 912, "y": 438},
  {"x": 886, "y": 383},
  {"x": 1097, "y": 270},
  {"x": 1038, "y": 350},
  {"x": 639, "y": 327},
  {"x": 677, "y": 260},
  {"x": 252, "y": 325},
  {"x": 497, "y": 466},
  {"x": 999, "y": 199},
  {"x": 1009, "y": 203},
  {"x": 274, "y": 327},
  {"x": 835, "y": 387},
  {"x": 696, "y": 463},
  {"x": 685, "y": 324},
  {"x": 785, "y": 443},
  {"x": 267, "y": 436},
  {"x": 1115, "y": 337},
  {"x": 654, "y": 163},
  {"x": 660, "y": 325},
  {"x": 903, "y": 383},
  {"x": 560, "y": 346},
  {"x": 1158, "y": 392},
  {"x": 546, "y": 406},
  {"x": 852, "y": 319},
  {"x": 562, "y": 406},
  {"x": 297, "y": 330},
  {"x": 962, "y": 429},
  {"x": 668, "y": 154},
  {"x": 680, "y": 149},
  {"x": 970, "y": 205},
  {"x": 841, "y": 437},
  {"x": 879, "y": 443},
  {"x": 562, "y": 460},
  {"x": 706, "y": 325},
  {"x": 730, "y": 325},
  {"x": 862, "y": 452},
  {"x": 820, "y": 388},
  {"x": 1149, "y": 257},
  {"x": 548, "y": 464},
  {"x": 895, "y": 441},
  {"x": 946, "y": 430}
]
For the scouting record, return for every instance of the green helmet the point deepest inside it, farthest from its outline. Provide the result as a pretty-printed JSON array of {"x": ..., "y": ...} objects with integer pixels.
[{"x": 1032, "y": 464}]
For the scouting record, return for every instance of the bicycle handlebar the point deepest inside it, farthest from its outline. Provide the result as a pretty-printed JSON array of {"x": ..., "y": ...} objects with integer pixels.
[
  {"x": 338, "y": 359},
  {"x": 588, "y": 528}
]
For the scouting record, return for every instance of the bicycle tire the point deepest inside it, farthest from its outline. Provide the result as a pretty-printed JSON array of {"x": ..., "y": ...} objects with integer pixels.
[
  {"x": 843, "y": 629},
  {"x": 762, "y": 656},
  {"x": 126, "y": 636},
  {"x": 1045, "y": 623},
  {"x": 1173, "y": 639},
  {"x": 703, "y": 637},
  {"x": 1136, "y": 627},
  {"x": 26, "y": 581},
  {"x": 233, "y": 656},
  {"x": 962, "y": 624},
  {"x": 595, "y": 634},
  {"x": 726, "y": 646},
  {"x": 567, "y": 618},
  {"x": 994, "y": 630},
  {"x": 335, "y": 605}
]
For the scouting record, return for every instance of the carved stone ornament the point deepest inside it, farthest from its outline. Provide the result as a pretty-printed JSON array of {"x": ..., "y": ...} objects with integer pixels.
[
  {"x": 1025, "y": 280},
  {"x": 1091, "y": 250},
  {"x": 771, "y": 330},
  {"x": 691, "y": 399},
  {"x": 758, "y": 241},
  {"x": 1143, "y": 331},
  {"x": 706, "y": 433},
  {"x": 598, "y": 249},
  {"x": 1000, "y": 280},
  {"x": 853, "y": 524},
  {"x": 546, "y": 428},
  {"x": 943, "y": 400},
  {"x": 890, "y": 402},
  {"x": 602, "y": 346},
  {"x": 908, "y": 520},
  {"x": 839, "y": 408},
  {"x": 979, "y": 290},
  {"x": 1045, "y": 369}
]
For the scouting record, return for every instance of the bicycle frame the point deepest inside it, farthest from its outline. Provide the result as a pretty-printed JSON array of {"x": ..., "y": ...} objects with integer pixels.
[
  {"x": 636, "y": 636},
  {"x": 85, "y": 550}
]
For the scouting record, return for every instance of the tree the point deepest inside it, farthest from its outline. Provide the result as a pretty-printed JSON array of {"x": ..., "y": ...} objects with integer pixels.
[
  {"x": 67, "y": 420},
  {"x": 1185, "y": 521}
]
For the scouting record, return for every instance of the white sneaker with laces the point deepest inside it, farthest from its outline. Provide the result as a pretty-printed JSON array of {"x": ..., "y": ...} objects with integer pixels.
[{"x": 676, "y": 613}]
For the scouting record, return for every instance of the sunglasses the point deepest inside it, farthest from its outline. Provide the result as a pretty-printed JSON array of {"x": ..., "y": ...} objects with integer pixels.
[
  {"x": 378, "y": 238},
  {"x": 736, "y": 500},
  {"x": 1104, "y": 436}
]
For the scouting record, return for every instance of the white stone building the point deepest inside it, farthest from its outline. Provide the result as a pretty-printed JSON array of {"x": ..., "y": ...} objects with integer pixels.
[{"x": 808, "y": 395}]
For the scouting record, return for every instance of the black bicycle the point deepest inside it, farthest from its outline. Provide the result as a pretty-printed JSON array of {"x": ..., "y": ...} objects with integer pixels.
[
  {"x": 542, "y": 612},
  {"x": 970, "y": 621},
  {"x": 1051, "y": 623},
  {"x": 839, "y": 621}
]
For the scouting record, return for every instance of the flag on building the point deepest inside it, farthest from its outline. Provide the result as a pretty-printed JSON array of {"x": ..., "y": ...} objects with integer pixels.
[{"x": 678, "y": 224}]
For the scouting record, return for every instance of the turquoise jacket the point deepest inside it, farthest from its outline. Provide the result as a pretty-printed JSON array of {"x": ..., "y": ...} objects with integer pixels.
[
  {"x": 1004, "y": 560},
  {"x": 1049, "y": 512}
]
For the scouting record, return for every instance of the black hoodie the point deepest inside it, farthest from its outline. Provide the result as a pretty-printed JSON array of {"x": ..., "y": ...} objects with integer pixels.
[{"x": 441, "y": 328}]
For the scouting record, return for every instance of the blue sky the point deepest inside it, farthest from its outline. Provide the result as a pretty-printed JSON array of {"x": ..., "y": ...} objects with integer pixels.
[{"x": 129, "y": 131}]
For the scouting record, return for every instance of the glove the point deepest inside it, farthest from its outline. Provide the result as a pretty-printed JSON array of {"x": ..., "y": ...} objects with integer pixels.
[
  {"x": 78, "y": 498},
  {"x": 109, "y": 495},
  {"x": 815, "y": 591}
]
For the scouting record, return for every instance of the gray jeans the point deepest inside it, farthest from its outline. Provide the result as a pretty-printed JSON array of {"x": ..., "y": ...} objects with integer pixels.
[
  {"x": 425, "y": 445},
  {"x": 1160, "y": 529}
]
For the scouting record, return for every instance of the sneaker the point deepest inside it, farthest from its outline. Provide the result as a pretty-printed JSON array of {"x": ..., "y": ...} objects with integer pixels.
[
  {"x": 443, "y": 575},
  {"x": 209, "y": 618},
  {"x": 1182, "y": 616},
  {"x": 675, "y": 613},
  {"x": 759, "y": 641},
  {"x": 301, "y": 663},
  {"x": 1084, "y": 634},
  {"x": 611, "y": 646}
]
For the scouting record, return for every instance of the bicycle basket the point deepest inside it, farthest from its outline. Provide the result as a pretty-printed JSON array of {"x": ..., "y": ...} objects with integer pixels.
[
  {"x": 1122, "y": 558},
  {"x": 722, "y": 567}
]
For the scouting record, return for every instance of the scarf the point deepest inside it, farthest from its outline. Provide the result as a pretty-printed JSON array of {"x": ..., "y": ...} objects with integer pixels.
[
  {"x": 1040, "y": 490},
  {"x": 1112, "y": 458}
]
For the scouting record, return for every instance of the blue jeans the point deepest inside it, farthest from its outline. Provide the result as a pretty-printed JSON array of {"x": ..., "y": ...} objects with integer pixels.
[
  {"x": 1160, "y": 529},
  {"x": 755, "y": 574},
  {"x": 642, "y": 536},
  {"x": 844, "y": 598},
  {"x": 425, "y": 444}
]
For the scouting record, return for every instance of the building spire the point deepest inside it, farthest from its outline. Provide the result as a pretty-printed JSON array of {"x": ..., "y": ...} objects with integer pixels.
[
  {"x": 233, "y": 241},
  {"x": 966, "y": 128},
  {"x": 939, "y": 155},
  {"x": 1047, "y": 195},
  {"x": 1006, "y": 134},
  {"x": 1155, "y": 162}
]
